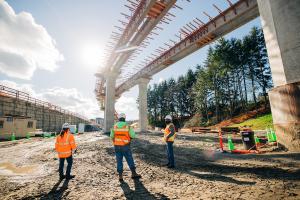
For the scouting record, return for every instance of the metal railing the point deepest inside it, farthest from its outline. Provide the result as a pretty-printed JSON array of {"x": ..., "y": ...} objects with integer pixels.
[{"x": 13, "y": 93}]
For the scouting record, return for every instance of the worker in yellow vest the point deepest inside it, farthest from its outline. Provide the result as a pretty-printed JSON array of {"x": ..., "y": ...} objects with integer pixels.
[
  {"x": 121, "y": 135},
  {"x": 65, "y": 147},
  {"x": 169, "y": 137}
]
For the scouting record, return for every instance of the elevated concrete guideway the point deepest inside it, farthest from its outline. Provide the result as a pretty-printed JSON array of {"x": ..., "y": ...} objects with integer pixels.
[
  {"x": 280, "y": 21},
  {"x": 235, "y": 16},
  {"x": 229, "y": 20},
  {"x": 147, "y": 15}
]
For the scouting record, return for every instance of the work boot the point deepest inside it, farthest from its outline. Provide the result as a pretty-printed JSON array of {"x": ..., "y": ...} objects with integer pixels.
[
  {"x": 70, "y": 177},
  {"x": 135, "y": 175},
  {"x": 121, "y": 177},
  {"x": 171, "y": 166}
]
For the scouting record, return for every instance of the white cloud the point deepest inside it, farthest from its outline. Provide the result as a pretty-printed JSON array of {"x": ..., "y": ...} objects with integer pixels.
[
  {"x": 73, "y": 100},
  {"x": 128, "y": 106},
  {"x": 27, "y": 88},
  {"x": 70, "y": 99},
  {"x": 24, "y": 45}
]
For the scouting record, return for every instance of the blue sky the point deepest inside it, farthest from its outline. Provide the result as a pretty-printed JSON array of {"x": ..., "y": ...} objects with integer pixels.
[{"x": 81, "y": 29}]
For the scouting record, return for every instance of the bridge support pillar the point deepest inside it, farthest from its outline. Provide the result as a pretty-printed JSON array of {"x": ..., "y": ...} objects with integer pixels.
[
  {"x": 110, "y": 101},
  {"x": 280, "y": 22},
  {"x": 143, "y": 106}
]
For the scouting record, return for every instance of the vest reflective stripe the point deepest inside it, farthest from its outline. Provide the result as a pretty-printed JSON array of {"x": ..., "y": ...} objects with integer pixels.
[
  {"x": 167, "y": 132},
  {"x": 64, "y": 146},
  {"x": 66, "y": 152},
  {"x": 121, "y": 129},
  {"x": 122, "y": 136},
  {"x": 64, "y": 143}
]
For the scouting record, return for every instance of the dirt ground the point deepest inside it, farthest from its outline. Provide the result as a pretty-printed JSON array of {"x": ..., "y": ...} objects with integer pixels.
[{"x": 28, "y": 170}]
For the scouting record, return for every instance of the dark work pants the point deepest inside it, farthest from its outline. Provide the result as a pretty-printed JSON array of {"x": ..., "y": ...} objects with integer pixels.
[
  {"x": 170, "y": 153},
  {"x": 124, "y": 151},
  {"x": 61, "y": 166}
]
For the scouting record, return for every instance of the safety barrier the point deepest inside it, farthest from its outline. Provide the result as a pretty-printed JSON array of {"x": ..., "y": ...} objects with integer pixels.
[{"x": 270, "y": 136}]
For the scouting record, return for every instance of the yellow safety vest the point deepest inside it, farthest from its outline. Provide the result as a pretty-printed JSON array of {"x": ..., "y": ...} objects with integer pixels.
[{"x": 167, "y": 132}]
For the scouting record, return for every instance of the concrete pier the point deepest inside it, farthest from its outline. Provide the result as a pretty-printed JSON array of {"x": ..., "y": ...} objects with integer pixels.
[
  {"x": 280, "y": 22},
  {"x": 110, "y": 101},
  {"x": 143, "y": 105}
]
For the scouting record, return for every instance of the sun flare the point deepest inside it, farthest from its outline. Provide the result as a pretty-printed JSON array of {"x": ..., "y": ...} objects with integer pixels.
[{"x": 92, "y": 55}]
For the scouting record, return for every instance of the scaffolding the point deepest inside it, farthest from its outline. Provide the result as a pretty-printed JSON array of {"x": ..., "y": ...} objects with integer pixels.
[{"x": 49, "y": 117}]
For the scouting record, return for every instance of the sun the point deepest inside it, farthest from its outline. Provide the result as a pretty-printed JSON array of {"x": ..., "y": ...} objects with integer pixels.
[{"x": 92, "y": 55}]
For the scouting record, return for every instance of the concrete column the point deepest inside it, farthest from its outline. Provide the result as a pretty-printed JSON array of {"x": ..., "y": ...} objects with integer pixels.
[
  {"x": 110, "y": 101},
  {"x": 280, "y": 22},
  {"x": 143, "y": 106}
]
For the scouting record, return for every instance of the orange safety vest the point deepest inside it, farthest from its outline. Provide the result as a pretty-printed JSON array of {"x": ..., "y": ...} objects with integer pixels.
[
  {"x": 122, "y": 136},
  {"x": 64, "y": 145},
  {"x": 167, "y": 132}
]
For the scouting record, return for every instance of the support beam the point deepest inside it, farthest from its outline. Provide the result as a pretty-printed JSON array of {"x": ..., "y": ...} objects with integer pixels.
[
  {"x": 143, "y": 106},
  {"x": 109, "y": 101},
  {"x": 280, "y": 21}
]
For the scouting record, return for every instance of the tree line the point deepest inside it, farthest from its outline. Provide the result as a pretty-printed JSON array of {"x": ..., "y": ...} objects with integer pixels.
[{"x": 234, "y": 78}]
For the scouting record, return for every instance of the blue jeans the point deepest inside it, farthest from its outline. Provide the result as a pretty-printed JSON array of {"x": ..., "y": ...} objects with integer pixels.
[
  {"x": 61, "y": 166},
  {"x": 170, "y": 152},
  {"x": 124, "y": 151}
]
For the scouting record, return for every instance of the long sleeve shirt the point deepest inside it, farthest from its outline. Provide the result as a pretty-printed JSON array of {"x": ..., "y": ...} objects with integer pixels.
[{"x": 120, "y": 125}]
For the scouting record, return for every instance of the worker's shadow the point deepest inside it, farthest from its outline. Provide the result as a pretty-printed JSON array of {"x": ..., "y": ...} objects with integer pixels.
[
  {"x": 139, "y": 192},
  {"x": 56, "y": 193}
]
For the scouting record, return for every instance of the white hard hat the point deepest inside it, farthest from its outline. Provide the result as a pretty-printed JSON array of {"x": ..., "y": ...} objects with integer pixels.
[
  {"x": 168, "y": 117},
  {"x": 65, "y": 125},
  {"x": 122, "y": 115}
]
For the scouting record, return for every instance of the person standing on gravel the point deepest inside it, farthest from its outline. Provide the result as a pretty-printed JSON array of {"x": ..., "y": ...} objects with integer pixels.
[
  {"x": 121, "y": 135},
  {"x": 65, "y": 145},
  {"x": 169, "y": 137}
]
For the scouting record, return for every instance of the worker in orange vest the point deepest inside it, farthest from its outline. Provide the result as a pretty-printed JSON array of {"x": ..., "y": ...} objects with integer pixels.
[
  {"x": 169, "y": 137},
  {"x": 65, "y": 146},
  {"x": 121, "y": 135}
]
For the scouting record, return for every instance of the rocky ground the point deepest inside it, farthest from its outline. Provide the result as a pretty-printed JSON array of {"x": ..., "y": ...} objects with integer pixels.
[{"x": 28, "y": 170}]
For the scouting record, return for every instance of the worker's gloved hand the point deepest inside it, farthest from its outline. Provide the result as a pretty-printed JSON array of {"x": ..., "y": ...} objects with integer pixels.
[{"x": 75, "y": 151}]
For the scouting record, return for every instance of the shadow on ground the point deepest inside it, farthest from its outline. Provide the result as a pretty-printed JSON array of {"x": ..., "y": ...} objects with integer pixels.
[
  {"x": 56, "y": 192},
  {"x": 200, "y": 138},
  {"x": 139, "y": 192},
  {"x": 202, "y": 164}
]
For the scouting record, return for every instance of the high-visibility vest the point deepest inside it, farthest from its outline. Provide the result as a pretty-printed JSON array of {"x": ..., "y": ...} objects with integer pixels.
[
  {"x": 167, "y": 132},
  {"x": 64, "y": 145},
  {"x": 122, "y": 136}
]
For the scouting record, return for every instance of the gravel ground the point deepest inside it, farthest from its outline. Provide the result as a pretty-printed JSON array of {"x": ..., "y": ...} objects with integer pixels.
[{"x": 28, "y": 170}]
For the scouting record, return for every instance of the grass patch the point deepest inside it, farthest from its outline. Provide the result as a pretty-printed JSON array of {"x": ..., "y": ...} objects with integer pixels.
[{"x": 259, "y": 123}]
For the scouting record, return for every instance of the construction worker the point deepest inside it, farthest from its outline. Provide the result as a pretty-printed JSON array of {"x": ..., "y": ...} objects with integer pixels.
[
  {"x": 65, "y": 146},
  {"x": 121, "y": 135},
  {"x": 169, "y": 136}
]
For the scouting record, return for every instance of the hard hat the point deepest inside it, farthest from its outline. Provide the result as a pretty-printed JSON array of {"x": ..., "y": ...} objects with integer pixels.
[
  {"x": 168, "y": 117},
  {"x": 65, "y": 125},
  {"x": 122, "y": 115}
]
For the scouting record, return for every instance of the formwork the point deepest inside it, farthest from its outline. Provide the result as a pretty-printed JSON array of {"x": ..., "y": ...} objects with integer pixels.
[{"x": 48, "y": 117}]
